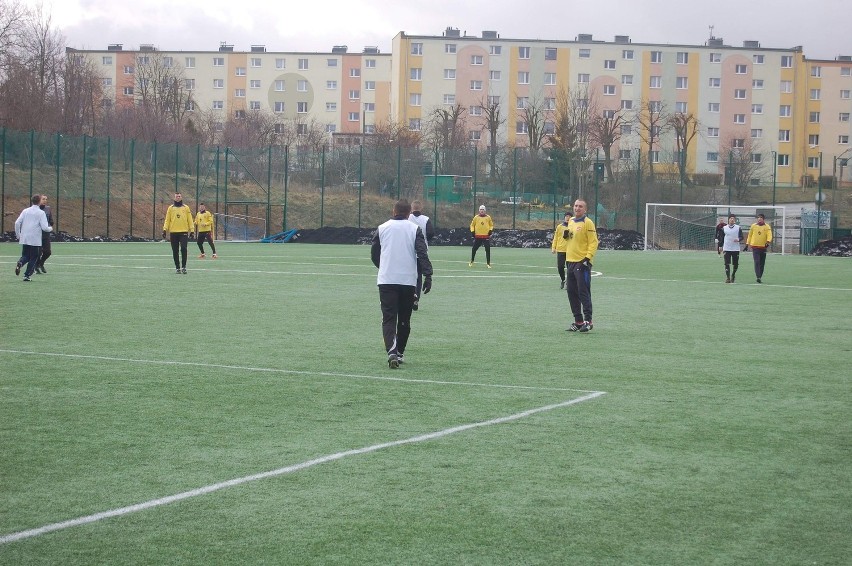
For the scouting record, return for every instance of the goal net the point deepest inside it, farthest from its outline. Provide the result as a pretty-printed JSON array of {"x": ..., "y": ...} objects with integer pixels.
[
  {"x": 693, "y": 226},
  {"x": 239, "y": 227}
]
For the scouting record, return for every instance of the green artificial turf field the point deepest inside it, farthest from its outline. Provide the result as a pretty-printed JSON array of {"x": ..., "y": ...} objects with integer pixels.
[{"x": 245, "y": 413}]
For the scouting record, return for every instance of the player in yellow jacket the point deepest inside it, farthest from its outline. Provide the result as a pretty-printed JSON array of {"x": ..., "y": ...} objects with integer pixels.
[
  {"x": 481, "y": 228},
  {"x": 204, "y": 230},
  {"x": 759, "y": 238},
  {"x": 179, "y": 226},
  {"x": 579, "y": 253},
  {"x": 558, "y": 246}
]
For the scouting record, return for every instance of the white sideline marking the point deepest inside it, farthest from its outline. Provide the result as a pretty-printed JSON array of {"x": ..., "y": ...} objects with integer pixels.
[
  {"x": 293, "y": 371},
  {"x": 12, "y": 537}
]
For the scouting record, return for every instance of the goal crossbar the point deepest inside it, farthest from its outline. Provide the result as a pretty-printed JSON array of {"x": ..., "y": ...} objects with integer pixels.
[{"x": 693, "y": 226}]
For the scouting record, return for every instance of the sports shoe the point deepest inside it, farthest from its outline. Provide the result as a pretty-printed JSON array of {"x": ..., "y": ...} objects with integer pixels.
[
  {"x": 183, "y": 271},
  {"x": 562, "y": 285},
  {"x": 19, "y": 265},
  {"x": 27, "y": 278},
  {"x": 393, "y": 361},
  {"x": 758, "y": 280},
  {"x": 43, "y": 270},
  {"x": 400, "y": 358},
  {"x": 585, "y": 327},
  {"x": 177, "y": 270},
  {"x": 215, "y": 256},
  {"x": 727, "y": 279},
  {"x": 733, "y": 277},
  {"x": 488, "y": 265},
  {"x": 470, "y": 264},
  {"x": 575, "y": 327},
  {"x": 202, "y": 256}
]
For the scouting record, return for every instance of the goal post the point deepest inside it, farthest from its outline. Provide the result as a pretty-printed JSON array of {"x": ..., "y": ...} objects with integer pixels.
[{"x": 693, "y": 226}]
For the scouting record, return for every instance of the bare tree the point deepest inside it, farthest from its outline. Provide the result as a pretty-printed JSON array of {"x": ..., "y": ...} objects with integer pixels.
[
  {"x": 83, "y": 90},
  {"x": 685, "y": 128},
  {"x": 447, "y": 134},
  {"x": 605, "y": 132},
  {"x": 534, "y": 115},
  {"x": 743, "y": 161},
  {"x": 571, "y": 142},
  {"x": 162, "y": 99},
  {"x": 653, "y": 119},
  {"x": 493, "y": 121}
]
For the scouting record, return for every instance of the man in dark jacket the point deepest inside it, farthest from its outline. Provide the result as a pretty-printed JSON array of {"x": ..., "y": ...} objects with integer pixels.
[{"x": 45, "y": 237}]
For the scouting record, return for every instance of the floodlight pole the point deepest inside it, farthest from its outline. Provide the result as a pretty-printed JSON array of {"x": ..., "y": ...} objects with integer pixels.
[
  {"x": 774, "y": 174},
  {"x": 819, "y": 198}
]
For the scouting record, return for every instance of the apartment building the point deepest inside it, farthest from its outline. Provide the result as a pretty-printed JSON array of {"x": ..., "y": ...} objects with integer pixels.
[{"x": 791, "y": 115}]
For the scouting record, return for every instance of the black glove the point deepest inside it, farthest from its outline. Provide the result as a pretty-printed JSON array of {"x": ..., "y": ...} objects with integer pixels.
[
  {"x": 745, "y": 249},
  {"x": 427, "y": 285},
  {"x": 164, "y": 234},
  {"x": 586, "y": 263}
]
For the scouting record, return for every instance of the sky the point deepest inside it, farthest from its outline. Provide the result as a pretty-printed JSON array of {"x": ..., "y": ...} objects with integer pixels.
[{"x": 821, "y": 27}]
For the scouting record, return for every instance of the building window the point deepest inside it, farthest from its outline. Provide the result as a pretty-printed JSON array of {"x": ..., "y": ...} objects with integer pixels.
[
  {"x": 843, "y": 117},
  {"x": 189, "y": 106},
  {"x": 784, "y": 111},
  {"x": 757, "y": 84},
  {"x": 476, "y": 60},
  {"x": 354, "y": 116},
  {"x": 218, "y": 61},
  {"x": 713, "y": 107},
  {"x": 355, "y": 72},
  {"x": 783, "y": 160},
  {"x": 550, "y": 79},
  {"x": 495, "y": 50},
  {"x": 279, "y": 86},
  {"x": 521, "y": 127},
  {"x": 302, "y": 107},
  {"x": 738, "y": 143},
  {"x": 280, "y": 63},
  {"x": 816, "y": 71},
  {"x": 715, "y": 82},
  {"x": 449, "y": 99},
  {"x": 415, "y": 99},
  {"x": 813, "y": 117},
  {"x": 128, "y": 91},
  {"x": 218, "y": 83},
  {"x": 331, "y": 107},
  {"x": 474, "y": 135},
  {"x": 239, "y": 114},
  {"x": 712, "y": 157},
  {"x": 682, "y": 58},
  {"x": 254, "y": 83},
  {"x": 813, "y": 140},
  {"x": 656, "y": 82},
  {"x": 739, "y": 93},
  {"x": 682, "y": 83},
  {"x": 813, "y": 162},
  {"x": 655, "y": 156},
  {"x": 354, "y": 95},
  {"x": 523, "y": 52},
  {"x": 609, "y": 64},
  {"x": 756, "y": 133},
  {"x": 302, "y": 85},
  {"x": 475, "y": 85},
  {"x": 627, "y": 54},
  {"x": 609, "y": 114},
  {"x": 681, "y": 107},
  {"x": 523, "y": 77},
  {"x": 414, "y": 124},
  {"x": 784, "y": 135},
  {"x": 128, "y": 70},
  {"x": 585, "y": 53},
  {"x": 493, "y": 100},
  {"x": 786, "y": 63},
  {"x": 815, "y": 94},
  {"x": 583, "y": 78},
  {"x": 656, "y": 56},
  {"x": 416, "y": 74},
  {"x": 240, "y": 92},
  {"x": 417, "y": 49},
  {"x": 741, "y": 69},
  {"x": 522, "y": 102},
  {"x": 303, "y": 64},
  {"x": 843, "y": 139},
  {"x": 627, "y": 79},
  {"x": 494, "y": 75},
  {"x": 609, "y": 90},
  {"x": 655, "y": 106},
  {"x": 757, "y": 108},
  {"x": 626, "y": 129},
  {"x": 189, "y": 62},
  {"x": 254, "y": 104},
  {"x": 450, "y": 74},
  {"x": 106, "y": 82},
  {"x": 550, "y": 103},
  {"x": 844, "y": 94},
  {"x": 369, "y": 107},
  {"x": 787, "y": 86},
  {"x": 106, "y": 60},
  {"x": 715, "y": 57},
  {"x": 189, "y": 84},
  {"x": 757, "y": 158},
  {"x": 627, "y": 104},
  {"x": 624, "y": 154},
  {"x": 739, "y": 118},
  {"x": 712, "y": 132},
  {"x": 331, "y": 85},
  {"x": 845, "y": 71},
  {"x": 369, "y": 85},
  {"x": 218, "y": 105},
  {"x": 449, "y": 48},
  {"x": 550, "y": 54},
  {"x": 370, "y": 63},
  {"x": 475, "y": 111}
]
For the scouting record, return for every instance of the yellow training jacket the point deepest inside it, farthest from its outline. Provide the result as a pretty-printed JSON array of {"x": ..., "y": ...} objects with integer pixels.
[
  {"x": 560, "y": 240},
  {"x": 759, "y": 236},
  {"x": 481, "y": 226},
  {"x": 204, "y": 221},
  {"x": 179, "y": 219},
  {"x": 582, "y": 240}
]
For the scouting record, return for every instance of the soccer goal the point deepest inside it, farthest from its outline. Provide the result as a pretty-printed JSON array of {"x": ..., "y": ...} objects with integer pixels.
[
  {"x": 693, "y": 226},
  {"x": 239, "y": 227}
]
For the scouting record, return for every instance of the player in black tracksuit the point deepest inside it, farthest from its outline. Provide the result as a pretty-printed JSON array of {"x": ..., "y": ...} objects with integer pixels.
[{"x": 45, "y": 237}]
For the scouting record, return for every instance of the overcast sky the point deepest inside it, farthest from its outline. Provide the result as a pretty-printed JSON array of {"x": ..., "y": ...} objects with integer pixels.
[{"x": 822, "y": 27}]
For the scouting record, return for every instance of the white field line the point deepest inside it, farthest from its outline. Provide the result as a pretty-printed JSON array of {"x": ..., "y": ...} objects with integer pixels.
[
  {"x": 291, "y": 372},
  {"x": 12, "y": 537}
]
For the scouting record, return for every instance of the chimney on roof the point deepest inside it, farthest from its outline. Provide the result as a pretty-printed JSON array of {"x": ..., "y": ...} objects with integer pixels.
[
  {"x": 584, "y": 37},
  {"x": 452, "y": 32},
  {"x": 371, "y": 50},
  {"x": 146, "y": 47},
  {"x": 340, "y": 49},
  {"x": 622, "y": 39},
  {"x": 489, "y": 34},
  {"x": 749, "y": 44},
  {"x": 224, "y": 46},
  {"x": 258, "y": 49},
  {"x": 115, "y": 47}
]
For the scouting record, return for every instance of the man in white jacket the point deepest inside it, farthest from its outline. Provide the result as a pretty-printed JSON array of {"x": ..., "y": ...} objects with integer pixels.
[
  {"x": 28, "y": 229},
  {"x": 398, "y": 250}
]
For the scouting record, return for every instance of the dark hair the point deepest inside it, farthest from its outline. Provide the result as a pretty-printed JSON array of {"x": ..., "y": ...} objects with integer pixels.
[
  {"x": 761, "y": 216},
  {"x": 36, "y": 199},
  {"x": 401, "y": 207}
]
